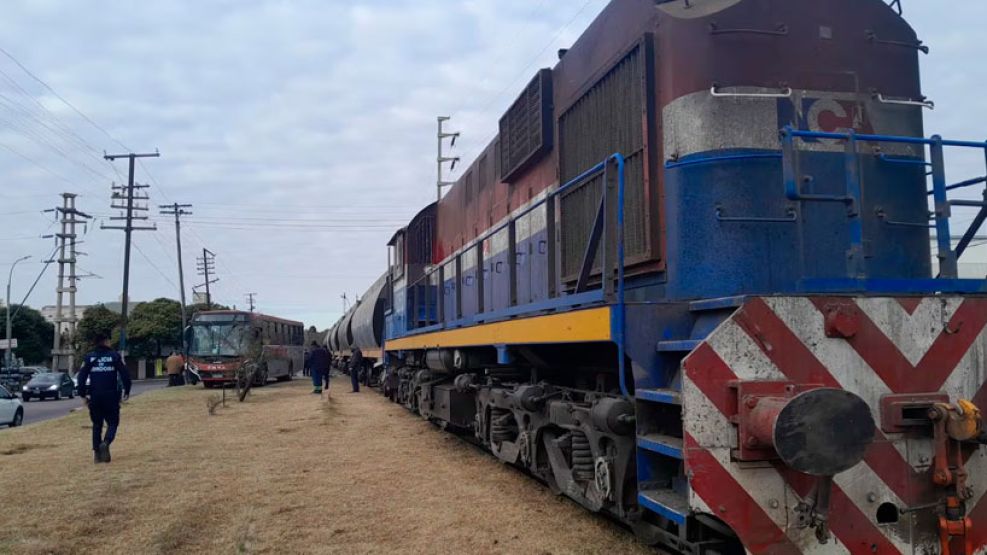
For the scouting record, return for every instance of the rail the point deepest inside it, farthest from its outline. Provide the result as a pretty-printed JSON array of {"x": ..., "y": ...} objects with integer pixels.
[
  {"x": 606, "y": 236},
  {"x": 941, "y": 214}
]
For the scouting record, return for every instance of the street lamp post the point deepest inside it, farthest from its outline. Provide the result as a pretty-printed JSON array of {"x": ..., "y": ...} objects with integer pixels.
[{"x": 10, "y": 278}]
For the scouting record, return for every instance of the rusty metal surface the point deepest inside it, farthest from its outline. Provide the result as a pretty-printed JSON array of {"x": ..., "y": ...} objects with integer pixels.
[{"x": 610, "y": 117}]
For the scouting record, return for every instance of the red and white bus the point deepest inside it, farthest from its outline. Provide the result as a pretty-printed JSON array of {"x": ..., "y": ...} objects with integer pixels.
[{"x": 219, "y": 342}]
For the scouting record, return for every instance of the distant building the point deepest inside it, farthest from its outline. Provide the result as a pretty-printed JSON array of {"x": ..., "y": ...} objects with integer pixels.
[
  {"x": 48, "y": 311},
  {"x": 313, "y": 334}
]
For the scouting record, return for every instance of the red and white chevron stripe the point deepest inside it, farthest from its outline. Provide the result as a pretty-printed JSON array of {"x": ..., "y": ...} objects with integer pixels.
[{"x": 902, "y": 345}]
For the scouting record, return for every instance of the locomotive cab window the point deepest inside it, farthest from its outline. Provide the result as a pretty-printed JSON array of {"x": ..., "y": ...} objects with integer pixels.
[{"x": 396, "y": 254}]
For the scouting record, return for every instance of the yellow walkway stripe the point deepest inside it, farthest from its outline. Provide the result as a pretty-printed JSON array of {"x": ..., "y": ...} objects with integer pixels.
[
  {"x": 580, "y": 326},
  {"x": 370, "y": 353}
]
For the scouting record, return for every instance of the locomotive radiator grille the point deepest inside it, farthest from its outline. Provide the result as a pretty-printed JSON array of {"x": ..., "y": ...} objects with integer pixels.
[{"x": 607, "y": 119}]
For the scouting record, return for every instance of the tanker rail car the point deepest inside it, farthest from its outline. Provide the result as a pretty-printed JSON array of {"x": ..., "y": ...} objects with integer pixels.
[
  {"x": 690, "y": 285},
  {"x": 362, "y": 327}
]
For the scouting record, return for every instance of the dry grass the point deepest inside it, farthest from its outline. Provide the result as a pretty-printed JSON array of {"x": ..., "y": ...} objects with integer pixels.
[{"x": 286, "y": 472}]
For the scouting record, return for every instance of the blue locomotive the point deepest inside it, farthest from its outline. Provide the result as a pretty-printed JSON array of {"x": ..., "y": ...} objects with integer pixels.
[{"x": 691, "y": 285}]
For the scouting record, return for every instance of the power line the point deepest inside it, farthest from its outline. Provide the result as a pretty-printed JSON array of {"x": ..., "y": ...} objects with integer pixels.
[
  {"x": 40, "y": 165},
  {"x": 141, "y": 252},
  {"x": 534, "y": 60},
  {"x": 59, "y": 97},
  {"x": 538, "y": 12},
  {"x": 524, "y": 72}
]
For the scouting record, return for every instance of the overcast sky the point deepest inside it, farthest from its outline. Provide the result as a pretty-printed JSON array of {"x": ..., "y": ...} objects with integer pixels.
[{"x": 302, "y": 131}]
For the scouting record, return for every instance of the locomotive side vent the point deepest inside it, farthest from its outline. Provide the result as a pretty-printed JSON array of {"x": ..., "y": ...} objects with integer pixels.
[
  {"x": 526, "y": 132},
  {"x": 607, "y": 119}
]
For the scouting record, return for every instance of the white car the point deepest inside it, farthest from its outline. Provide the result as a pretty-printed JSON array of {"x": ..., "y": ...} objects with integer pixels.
[{"x": 11, "y": 411}]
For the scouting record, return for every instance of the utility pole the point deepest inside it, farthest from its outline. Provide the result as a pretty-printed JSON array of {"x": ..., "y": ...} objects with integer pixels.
[
  {"x": 206, "y": 265},
  {"x": 127, "y": 193},
  {"x": 9, "y": 346},
  {"x": 443, "y": 159},
  {"x": 250, "y": 300},
  {"x": 179, "y": 210},
  {"x": 63, "y": 355},
  {"x": 345, "y": 301}
]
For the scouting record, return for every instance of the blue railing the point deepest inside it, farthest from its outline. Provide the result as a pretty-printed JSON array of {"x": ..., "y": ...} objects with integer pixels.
[
  {"x": 948, "y": 256},
  {"x": 606, "y": 236}
]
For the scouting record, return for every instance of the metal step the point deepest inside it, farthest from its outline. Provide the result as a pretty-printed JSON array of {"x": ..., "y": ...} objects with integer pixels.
[
  {"x": 722, "y": 303},
  {"x": 665, "y": 502},
  {"x": 666, "y": 396},
  {"x": 679, "y": 346},
  {"x": 663, "y": 445}
]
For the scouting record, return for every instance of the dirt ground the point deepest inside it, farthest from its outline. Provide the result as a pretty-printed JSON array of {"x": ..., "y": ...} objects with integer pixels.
[{"x": 286, "y": 472}]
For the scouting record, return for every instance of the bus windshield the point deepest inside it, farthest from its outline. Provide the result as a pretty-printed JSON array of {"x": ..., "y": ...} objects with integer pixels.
[{"x": 223, "y": 339}]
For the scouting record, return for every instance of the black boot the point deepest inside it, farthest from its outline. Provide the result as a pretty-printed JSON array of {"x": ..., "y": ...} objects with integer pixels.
[
  {"x": 104, "y": 452},
  {"x": 97, "y": 458}
]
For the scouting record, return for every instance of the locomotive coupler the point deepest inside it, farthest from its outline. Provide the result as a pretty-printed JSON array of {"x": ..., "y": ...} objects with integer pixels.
[
  {"x": 814, "y": 511},
  {"x": 814, "y": 430},
  {"x": 953, "y": 427}
]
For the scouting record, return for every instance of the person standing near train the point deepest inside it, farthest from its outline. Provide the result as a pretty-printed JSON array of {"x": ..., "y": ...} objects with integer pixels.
[
  {"x": 318, "y": 365},
  {"x": 356, "y": 364}
]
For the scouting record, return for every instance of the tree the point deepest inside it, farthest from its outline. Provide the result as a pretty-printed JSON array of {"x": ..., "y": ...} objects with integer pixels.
[
  {"x": 96, "y": 320},
  {"x": 155, "y": 325},
  {"x": 33, "y": 333}
]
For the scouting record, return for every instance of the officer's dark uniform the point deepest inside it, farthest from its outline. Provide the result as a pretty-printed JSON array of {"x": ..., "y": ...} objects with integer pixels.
[
  {"x": 101, "y": 368},
  {"x": 356, "y": 363}
]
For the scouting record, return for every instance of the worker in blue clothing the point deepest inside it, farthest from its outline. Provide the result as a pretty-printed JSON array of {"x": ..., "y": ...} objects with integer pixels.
[
  {"x": 317, "y": 363},
  {"x": 99, "y": 378}
]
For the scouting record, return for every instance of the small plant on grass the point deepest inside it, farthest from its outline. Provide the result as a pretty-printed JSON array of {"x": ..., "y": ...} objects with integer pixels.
[{"x": 213, "y": 403}]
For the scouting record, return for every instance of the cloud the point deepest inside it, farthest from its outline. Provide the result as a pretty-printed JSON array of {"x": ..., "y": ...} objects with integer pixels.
[{"x": 302, "y": 131}]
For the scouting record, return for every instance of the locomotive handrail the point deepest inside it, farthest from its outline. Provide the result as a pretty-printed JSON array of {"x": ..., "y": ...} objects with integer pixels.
[
  {"x": 717, "y": 159},
  {"x": 962, "y": 184},
  {"x": 921, "y": 103},
  {"x": 917, "y": 45},
  {"x": 907, "y": 161},
  {"x": 548, "y": 200},
  {"x": 948, "y": 257},
  {"x": 785, "y": 93},
  {"x": 780, "y": 30}
]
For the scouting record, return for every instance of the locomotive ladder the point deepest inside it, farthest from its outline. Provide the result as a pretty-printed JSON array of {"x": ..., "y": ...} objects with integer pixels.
[{"x": 662, "y": 484}]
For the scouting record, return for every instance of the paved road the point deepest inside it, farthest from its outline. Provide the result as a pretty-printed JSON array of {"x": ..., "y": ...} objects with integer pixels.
[{"x": 37, "y": 411}]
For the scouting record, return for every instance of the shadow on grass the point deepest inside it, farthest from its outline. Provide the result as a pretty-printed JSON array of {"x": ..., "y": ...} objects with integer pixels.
[{"x": 20, "y": 448}]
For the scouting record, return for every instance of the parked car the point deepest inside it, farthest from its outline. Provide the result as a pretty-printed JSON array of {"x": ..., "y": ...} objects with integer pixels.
[
  {"x": 11, "y": 411},
  {"x": 11, "y": 379},
  {"x": 50, "y": 384},
  {"x": 14, "y": 378}
]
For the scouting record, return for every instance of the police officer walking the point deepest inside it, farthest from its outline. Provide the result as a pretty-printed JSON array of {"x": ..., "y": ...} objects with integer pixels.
[{"x": 98, "y": 387}]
